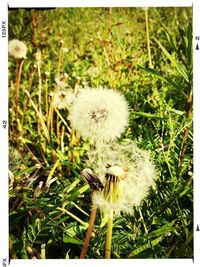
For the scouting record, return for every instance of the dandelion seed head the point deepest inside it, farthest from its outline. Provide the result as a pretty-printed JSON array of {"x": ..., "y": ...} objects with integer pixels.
[
  {"x": 60, "y": 83},
  {"x": 17, "y": 49},
  {"x": 116, "y": 171},
  {"x": 99, "y": 114},
  {"x": 129, "y": 176},
  {"x": 62, "y": 99}
]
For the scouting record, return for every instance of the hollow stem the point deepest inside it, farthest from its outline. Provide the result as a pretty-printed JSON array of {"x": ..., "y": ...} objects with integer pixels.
[
  {"x": 109, "y": 235},
  {"x": 89, "y": 232}
]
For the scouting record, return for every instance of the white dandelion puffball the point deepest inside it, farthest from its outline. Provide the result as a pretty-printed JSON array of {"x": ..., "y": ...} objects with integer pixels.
[
  {"x": 99, "y": 114},
  {"x": 17, "y": 49},
  {"x": 63, "y": 99},
  {"x": 127, "y": 174}
]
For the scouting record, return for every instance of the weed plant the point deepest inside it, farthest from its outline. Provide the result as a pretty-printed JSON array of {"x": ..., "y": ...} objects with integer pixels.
[{"x": 72, "y": 48}]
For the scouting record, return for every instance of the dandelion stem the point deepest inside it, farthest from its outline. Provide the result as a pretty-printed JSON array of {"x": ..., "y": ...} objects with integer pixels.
[
  {"x": 60, "y": 60},
  {"x": 57, "y": 129},
  {"x": 104, "y": 49},
  {"x": 109, "y": 235},
  {"x": 33, "y": 22},
  {"x": 109, "y": 22},
  {"x": 39, "y": 116},
  {"x": 148, "y": 39},
  {"x": 18, "y": 77},
  {"x": 62, "y": 139},
  {"x": 89, "y": 232},
  {"x": 26, "y": 101},
  {"x": 63, "y": 120}
]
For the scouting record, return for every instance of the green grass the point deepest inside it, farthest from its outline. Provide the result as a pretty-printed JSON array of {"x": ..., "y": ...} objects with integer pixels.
[{"x": 49, "y": 202}]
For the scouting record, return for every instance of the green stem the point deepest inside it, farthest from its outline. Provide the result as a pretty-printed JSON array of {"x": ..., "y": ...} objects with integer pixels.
[{"x": 109, "y": 235}]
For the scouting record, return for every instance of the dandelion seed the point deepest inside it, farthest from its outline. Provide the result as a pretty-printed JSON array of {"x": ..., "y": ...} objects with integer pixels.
[
  {"x": 99, "y": 114},
  {"x": 17, "y": 49},
  {"x": 62, "y": 99},
  {"x": 127, "y": 174}
]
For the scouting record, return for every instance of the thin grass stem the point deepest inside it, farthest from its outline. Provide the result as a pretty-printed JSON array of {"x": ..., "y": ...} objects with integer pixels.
[
  {"x": 18, "y": 78},
  {"x": 46, "y": 96},
  {"x": 148, "y": 39}
]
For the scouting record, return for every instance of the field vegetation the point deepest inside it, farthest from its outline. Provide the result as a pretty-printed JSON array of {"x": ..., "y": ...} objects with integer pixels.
[{"x": 146, "y": 55}]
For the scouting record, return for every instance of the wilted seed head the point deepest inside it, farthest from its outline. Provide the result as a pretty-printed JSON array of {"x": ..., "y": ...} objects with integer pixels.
[
  {"x": 63, "y": 99},
  {"x": 92, "y": 179},
  {"x": 61, "y": 83},
  {"x": 17, "y": 49},
  {"x": 99, "y": 114}
]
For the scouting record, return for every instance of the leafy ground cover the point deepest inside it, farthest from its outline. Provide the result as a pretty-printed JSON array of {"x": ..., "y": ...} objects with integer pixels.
[{"x": 151, "y": 65}]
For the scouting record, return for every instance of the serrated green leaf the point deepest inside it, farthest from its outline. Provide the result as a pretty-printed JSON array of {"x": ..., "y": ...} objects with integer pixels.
[
  {"x": 146, "y": 246},
  {"x": 71, "y": 240},
  {"x": 163, "y": 230}
]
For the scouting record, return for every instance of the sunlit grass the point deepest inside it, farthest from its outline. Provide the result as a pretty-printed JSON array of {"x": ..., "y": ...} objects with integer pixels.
[{"x": 50, "y": 204}]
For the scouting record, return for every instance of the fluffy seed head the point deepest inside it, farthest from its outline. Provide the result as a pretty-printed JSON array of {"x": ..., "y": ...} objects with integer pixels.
[
  {"x": 17, "y": 49},
  {"x": 126, "y": 181},
  {"x": 115, "y": 171},
  {"x": 62, "y": 98},
  {"x": 99, "y": 114}
]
